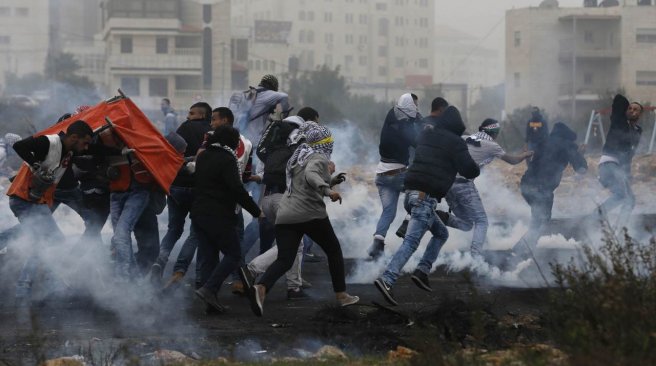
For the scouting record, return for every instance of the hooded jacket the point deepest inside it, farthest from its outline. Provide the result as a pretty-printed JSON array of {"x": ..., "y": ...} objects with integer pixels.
[
  {"x": 622, "y": 139},
  {"x": 441, "y": 154},
  {"x": 546, "y": 168},
  {"x": 193, "y": 132},
  {"x": 278, "y": 143},
  {"x": 399, "y": 132}
]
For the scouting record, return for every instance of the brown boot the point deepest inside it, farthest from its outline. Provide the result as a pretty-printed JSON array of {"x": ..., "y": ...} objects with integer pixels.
[
  {"x": 238, "y": 288},
  {"x": 174, "y": 281}
]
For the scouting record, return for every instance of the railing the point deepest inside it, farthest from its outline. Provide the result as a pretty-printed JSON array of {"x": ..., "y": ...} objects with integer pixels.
[
  {"x": 163, "y": 61},
  {"x": 568, "y": 48},
  {"x": 191, "y": 51}
]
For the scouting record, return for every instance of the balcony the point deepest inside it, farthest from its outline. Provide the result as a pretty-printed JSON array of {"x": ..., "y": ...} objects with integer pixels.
[
  {"x": 583, "y": 51},
  {"x": 181, "y": 60},
  {"x": 582, "y": 94}
]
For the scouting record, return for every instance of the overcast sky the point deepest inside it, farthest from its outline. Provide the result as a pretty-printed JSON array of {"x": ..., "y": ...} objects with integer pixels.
[{"x": 479, "y": 17}]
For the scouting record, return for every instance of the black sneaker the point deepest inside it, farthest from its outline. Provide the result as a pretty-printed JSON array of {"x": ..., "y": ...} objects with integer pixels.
[
  {"x": 246, "y": 278},
  {"x": 377, "y": 249},
  {"x": 421, "y": 280},
  {"x": 386, "y": 290},
  {"x": 256, "y": 300},
  {"x": 312, "y": 258},
  {"x": 297, "y": 294},
  {"x": 443, "y": 215},
  {"x": 210, "y": 299},
  {"x": 402, "y": 229}
]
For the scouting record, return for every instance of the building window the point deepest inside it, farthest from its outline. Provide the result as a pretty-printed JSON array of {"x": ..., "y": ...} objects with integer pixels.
[
  {"x": 382, "y": 51},
  {"x": 162, "y": 45},
  {"x": 158, "y": 87},
  {"x": 423, "y": 63},
  {"x": 301, "y": 36},
  {"x": 646, "y": 78},
  {"x": 22, "y": 12},
  {"x": 130, "y": 86},
  {"x": 328, "y": 38},
  {"x": 362, "y": 39},
  {"x": 348, "y": 39},
  {"x": 362, "y": 60},
  {"x": 348, "y": 18},
  {"x": 310, "y": 36},
  {"x": 587, "y": 78},
  {"x": 328, "y": 17},
  {"x": 383, "y": 27},
  {"x": 517, "y": 79},
  {"x": 126, "y": 44},
  {"x": 382, "y": 70},
  {"x": 310, "y": 16},
  {"x": 381, "y": 6},
  {"x": 239, "y": 49},
  {"x": 646, "y": 35},
  {"x": 328, "y": 60},
  {"x": 348, "y": 62},
  {"x": 5, "y": 11},
  {"x": 588, "y": 37},
  {"x": 518, "y": 38},
  {"x": 363, "y": 18}
]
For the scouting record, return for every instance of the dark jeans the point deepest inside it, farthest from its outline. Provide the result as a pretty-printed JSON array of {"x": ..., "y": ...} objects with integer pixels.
[
  {"x": 618, "y": 182},
  {"x": 541, "y": 202},
  {"x": 179, "y": 204},
  {"x": 146, "y": 232},
  {"x": 288, "y": 237},
  {"x": 216, "y": 235},
  {"x": 96, "y": 209}
]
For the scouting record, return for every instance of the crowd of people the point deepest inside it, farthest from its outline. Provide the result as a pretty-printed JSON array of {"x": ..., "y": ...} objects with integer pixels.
[{"x": 277, "y": 167}]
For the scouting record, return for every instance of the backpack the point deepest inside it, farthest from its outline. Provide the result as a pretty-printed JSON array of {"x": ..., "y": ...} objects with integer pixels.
[
  {"x": 274, "y": 151},
  {"x": 241, "y": 104}
]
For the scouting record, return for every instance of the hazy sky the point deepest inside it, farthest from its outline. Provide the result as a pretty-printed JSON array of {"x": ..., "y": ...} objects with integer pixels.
[{"x": 479, "y": 17}]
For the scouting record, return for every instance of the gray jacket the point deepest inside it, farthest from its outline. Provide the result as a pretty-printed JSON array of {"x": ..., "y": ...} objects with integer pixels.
[{"x": 310, "y": 184}]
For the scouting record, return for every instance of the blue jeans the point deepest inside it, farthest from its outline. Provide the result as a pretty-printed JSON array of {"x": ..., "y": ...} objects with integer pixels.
[
  {"x": 468, "y": 212},
  {"x": 146, "y": 232},
  {"x": 389, "y": 190},
  {"x": 126, "y": 209},
  {"x": 541, "y": 202},
  {"x": 179, "y": 204},
  {"x": 618, "y": 181},
  {"x": 37, "y": 219},
  {"x": 422, "y": 218}
]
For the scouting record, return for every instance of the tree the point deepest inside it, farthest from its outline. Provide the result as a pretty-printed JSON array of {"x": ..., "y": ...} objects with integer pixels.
[
  {"x": 62, "y": 67},
  {"x": 489, "y": 105}
]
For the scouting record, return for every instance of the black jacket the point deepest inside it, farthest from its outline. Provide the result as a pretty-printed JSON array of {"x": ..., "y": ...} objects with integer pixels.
[
  {"x": 546, "y": 168},
  {"x": 218, "y": 186},
  {"x": 441, "y": 154},
  {"x": 622, "y": 139},
  {"x": 396, "y": 138},
  {"x": 193, "y": 132}
]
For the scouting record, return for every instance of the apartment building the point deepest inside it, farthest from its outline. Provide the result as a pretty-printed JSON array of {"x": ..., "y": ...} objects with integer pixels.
[
  {"x": 381, "y": 47},
  {"x": 24, "y": 37},
  {"x": 563, "y": 59},
  {"x": 168, "y": 48}
]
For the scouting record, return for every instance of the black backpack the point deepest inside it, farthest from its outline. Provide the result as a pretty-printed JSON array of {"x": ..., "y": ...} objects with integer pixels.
[{"x": 274, "y": 152}]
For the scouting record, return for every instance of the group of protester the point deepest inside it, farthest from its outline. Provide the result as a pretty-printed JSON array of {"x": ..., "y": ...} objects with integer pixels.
[
  {"x": 446, "y": 163},
  {"x": 278, "y": 168}
]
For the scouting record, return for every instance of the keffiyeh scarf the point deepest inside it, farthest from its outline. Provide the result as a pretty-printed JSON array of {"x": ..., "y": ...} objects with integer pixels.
[{"x": 318, "y": 140}]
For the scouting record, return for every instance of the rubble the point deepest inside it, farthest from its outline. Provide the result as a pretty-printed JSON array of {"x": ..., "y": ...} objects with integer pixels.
[
  {"x": 66, "y": 361},
  {"x": 401, "y": 354},
  {"x": 330, "y": 352}
]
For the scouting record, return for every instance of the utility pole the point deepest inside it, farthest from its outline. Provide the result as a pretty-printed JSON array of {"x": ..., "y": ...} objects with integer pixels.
[{"x": 574, "y": 46}]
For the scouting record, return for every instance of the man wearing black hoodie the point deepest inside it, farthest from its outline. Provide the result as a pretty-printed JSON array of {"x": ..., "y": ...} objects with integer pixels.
[
  {"x": 181, "y": 194},
  {"x": 441, "y": 154},
  {"x": 542, "y": 178}
]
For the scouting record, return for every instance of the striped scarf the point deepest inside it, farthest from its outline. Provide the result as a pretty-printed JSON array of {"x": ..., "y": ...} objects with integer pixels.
[
  {"x": 318, "y": 140},
  {"x": 232, "y": 152}
]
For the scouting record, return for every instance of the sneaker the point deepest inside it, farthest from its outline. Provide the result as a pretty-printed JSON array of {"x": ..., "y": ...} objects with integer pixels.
[
  {"x": 347, "y": 300},
  {"x": 312, "y": 258},
  {"x": 238, "y": 288},
  {"x": 421, "y": 280},
  {"x": 247, "y": 278},
  {"x": 210, "y": 299},
  {"x": 156, "y": 274},
  {"x": 386, "y": 290},
  {"x": 306, "y": 284},
  {"x": 174, "y": 281},
  {"x": 400, "y": 232},
  {"x": 443, "y": 215},
  {"x": 256, "y": 298},
  {"x": 297, "y": 294},
  {"x": 377, "y": 249}
]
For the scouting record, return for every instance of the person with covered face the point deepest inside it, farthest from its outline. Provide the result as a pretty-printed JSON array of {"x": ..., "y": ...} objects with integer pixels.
[
  {"x": 214, "y": 214},
  {"x": 615, "y": 164},
  {"x": 31, "y": 194},
  {"x": 441, "y": 154},
  {"x": 542, "y": 178},
  {"x": 302, "y": 211},
  {"x": 397, "y": 136},
  {"x": 537, "y": 130},
  {"x": 464, "y": 202}
]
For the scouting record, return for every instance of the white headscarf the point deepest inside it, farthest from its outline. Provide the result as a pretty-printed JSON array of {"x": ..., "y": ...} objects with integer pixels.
[{"x": 405, "y": 107}]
